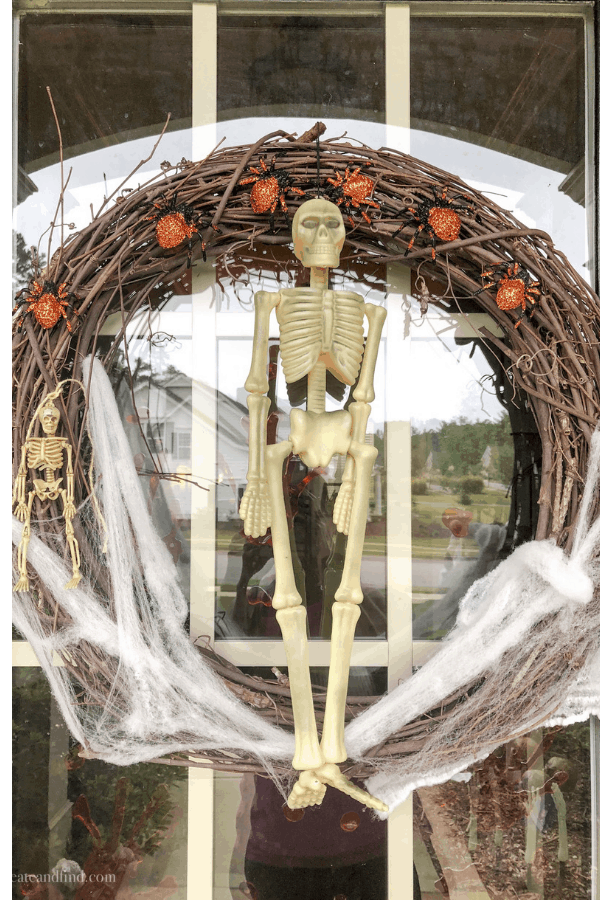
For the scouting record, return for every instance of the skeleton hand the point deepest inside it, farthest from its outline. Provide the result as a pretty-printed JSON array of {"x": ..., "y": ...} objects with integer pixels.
[
  {"x": 21, "y": 511},
  {"x": 343, "y": 507},
  {"x": 69, "y": 510},
  {"x": 255, "y": 509},
  {"x": 310, "y": 788}
]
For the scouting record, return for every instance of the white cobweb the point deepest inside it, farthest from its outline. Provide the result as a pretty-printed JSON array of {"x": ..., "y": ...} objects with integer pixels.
[
  {"x": 509, "y": 626},
  {"x": 156, "y": 695},
  {"x": 163, "y": 697}
]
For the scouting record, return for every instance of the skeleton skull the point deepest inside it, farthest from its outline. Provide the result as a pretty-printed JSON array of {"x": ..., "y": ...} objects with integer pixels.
[
  {"x": 318, "y": 233},
  {"x": 49, "y": 418}
]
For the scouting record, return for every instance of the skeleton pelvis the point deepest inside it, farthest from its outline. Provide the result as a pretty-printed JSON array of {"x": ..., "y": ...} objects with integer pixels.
[
  {"x": 316, "y": 437},
  {"x": 47, "y": 490}
]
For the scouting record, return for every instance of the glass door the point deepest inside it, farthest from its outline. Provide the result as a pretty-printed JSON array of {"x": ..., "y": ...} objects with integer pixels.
[{"x": 499, "y": 94}]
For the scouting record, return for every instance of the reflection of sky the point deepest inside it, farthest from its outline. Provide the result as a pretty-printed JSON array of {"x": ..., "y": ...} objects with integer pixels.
[
  {"x": 93, "y": 176},
  {"x": 449, "y": 384},
  {"x": 529, "y": 191},
  {"x": 246, "y": 131}
]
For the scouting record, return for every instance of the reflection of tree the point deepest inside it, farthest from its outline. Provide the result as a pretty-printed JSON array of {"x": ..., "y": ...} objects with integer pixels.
[
  {"x": 37, "y": 766},
  {"x": 525, "y": 811},
  {"x": 457, "y": 447},
  {"x": 115, "y": 858},
  {"x": 23, "y": 267},
  {"x": 144, "y": 783}
]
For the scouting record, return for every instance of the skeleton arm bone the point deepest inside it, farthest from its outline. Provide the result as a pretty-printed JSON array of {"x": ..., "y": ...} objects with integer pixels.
[
  {"x": 364, "y": 394},
  {"x": 255, "y": 507},
  {"x": 364, "y": 390},
  {"x": 19, "y": 488},
  {"x": 69, "y": 505}
]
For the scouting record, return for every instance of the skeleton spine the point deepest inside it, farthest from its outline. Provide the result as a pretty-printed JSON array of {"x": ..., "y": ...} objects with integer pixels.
[{"x": 317, "y": 378}]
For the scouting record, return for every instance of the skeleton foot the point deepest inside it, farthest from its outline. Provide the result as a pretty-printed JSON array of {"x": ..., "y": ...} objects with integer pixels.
[
  {"x": 73, "y": 582},
  {"x": 308, "y": 791},
  {"x": 331, "y": 775},
  {"x": 22, "y": 584},
  {"x": 310, "y": 788}
]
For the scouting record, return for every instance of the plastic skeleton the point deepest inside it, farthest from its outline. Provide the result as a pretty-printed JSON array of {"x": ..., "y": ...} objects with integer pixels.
[
  {"x": 320, "y": 330},
  {"x": 47, "y": 454}
]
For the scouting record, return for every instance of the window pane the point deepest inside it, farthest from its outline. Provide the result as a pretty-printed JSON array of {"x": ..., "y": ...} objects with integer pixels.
[
  {"x": 245, "y": 569},
  {"x": 515, "y": 825},
  {"x": 475, "y": 463},
  {"x": 113, "y": 79},
  {"x": 500, "y": 102},
  {"x": 506, "y": 79},
  {"x": 157, "y": 415},
  {"x": 301, "y": 66},
  {"x": 63, "y": 804}
]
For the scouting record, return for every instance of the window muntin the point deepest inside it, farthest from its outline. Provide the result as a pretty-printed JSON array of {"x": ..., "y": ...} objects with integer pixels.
[{"x": 245, "y": 574}]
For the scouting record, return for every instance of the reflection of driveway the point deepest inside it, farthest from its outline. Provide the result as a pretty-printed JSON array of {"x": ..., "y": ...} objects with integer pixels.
[
  {"x": 372, "y": 572},
  {"x": 427, "y": 572}
]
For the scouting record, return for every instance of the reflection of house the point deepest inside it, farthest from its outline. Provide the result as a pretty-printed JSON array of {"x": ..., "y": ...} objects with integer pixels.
[
  {"x": 165, "y": 410},
  {"x": 232, "y": 455}
]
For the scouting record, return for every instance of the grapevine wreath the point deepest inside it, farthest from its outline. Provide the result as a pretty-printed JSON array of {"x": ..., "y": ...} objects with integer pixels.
[{"x": 237, "y": 204}]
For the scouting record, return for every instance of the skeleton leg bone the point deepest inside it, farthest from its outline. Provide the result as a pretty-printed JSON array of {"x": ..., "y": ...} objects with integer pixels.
[
  {"x": 291, "y": 616},
  {"x": 346, "y": 611},
  {"x": 73, "y": 545},
  {"x": 23, "y": 582},
  {"x": 310, "y": 787}
]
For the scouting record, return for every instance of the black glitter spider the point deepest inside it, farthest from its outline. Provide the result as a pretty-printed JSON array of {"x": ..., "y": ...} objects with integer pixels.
[
  {"x": 438, "y": 218},
  {"x": 515, "y": 287},
  {"x": 352, "y": 191},
  {"x": 176, "y": 223},
  {"x": 269, "y": 187}
]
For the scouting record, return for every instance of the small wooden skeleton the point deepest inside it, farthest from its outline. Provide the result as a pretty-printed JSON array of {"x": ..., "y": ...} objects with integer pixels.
[
  {"x": 45, "y": 454},
  {"x": 320, "y": 330}
]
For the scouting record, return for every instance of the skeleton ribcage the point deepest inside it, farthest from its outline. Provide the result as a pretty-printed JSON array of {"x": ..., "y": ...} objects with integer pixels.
[
  {"x": 45, "y": 453},
  {"x": 315, "y": 323}
]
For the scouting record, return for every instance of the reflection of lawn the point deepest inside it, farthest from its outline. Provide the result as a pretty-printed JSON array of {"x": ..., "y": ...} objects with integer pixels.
[
  {"x": 491, "y": 506},
  {"x": 429, "y": 536},
  {"x": 437, "y": 548}
]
